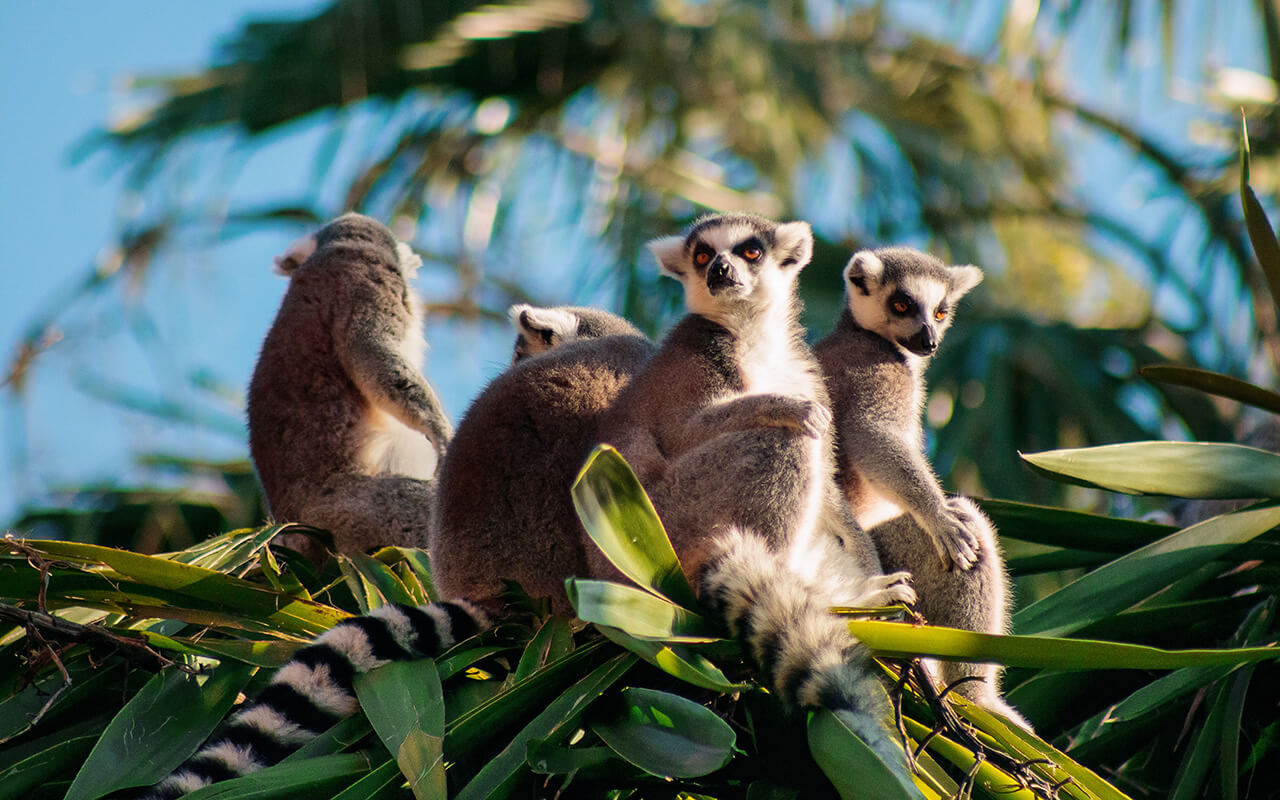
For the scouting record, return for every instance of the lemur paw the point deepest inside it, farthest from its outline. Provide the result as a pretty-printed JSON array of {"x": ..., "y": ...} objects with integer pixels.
[
  {"x": 815, "y": 418},
  {"x": 885, "y": 590},
  {"x": 956, "y": 540}
]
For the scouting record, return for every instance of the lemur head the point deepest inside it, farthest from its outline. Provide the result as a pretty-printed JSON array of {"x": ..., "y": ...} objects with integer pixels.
[
  {"x": 729, "y": 263},
  {"x": 905, "y": 296},
  {"x": 349, "y": 226},
  {"x": 541, "y": 329}
]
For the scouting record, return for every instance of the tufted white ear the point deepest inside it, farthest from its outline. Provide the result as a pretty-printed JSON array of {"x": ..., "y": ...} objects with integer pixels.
[
  {"x": 795, "y": 244},
  {"x": 864, "y": 266},
  {"x": 962, "y": 280},
  {"x": 410, "y": 261},
  {"x": 533, "y": 321},
  {"x": 669, "y": 251},
  {"x": 298, "y": 252}
]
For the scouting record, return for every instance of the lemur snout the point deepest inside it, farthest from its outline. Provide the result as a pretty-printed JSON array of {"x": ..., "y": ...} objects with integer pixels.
[
  {"x": 720, "y": 274},
  {"x": 924, "y": 342}
]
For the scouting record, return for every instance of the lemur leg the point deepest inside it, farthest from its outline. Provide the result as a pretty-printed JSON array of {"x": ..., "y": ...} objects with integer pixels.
[
  {"x": 363, "y": 511},
  {"x": 976, "y": 599}
]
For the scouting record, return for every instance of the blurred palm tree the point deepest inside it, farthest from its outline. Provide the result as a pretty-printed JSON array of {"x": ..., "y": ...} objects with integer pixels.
[{"x": 532, "y": 145}]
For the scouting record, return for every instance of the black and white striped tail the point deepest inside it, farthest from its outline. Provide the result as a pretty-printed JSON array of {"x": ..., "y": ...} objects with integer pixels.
[
  {"x": 804, "y": 653},
  {"x": 314, "y": 689}
]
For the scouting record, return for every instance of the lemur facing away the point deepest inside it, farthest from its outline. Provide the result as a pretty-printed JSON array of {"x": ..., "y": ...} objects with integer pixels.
[
  {"x": 504, "y": 507},
  {"x": 900, "y": 302},
  {"x": 727, "y": 429},
  {"x": 344, "y": 431}
]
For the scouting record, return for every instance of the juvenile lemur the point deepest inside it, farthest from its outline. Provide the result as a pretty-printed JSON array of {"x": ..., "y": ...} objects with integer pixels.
[
  {"x": 727, "y": 429},
  {"x": 900, "y": 303},
  {"x": 344, "y": 431}
]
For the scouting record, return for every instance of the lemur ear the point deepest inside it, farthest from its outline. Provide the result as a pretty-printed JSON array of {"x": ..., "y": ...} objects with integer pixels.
[
  {"x": 962, "y": 280},
  {"x": 295, "y": 256},
  {"x": 542, "y": 323},
  {"x": 669, "y": 251},
  {"x": 863, "y": 268},
  {"x": 795, "y": 244}
]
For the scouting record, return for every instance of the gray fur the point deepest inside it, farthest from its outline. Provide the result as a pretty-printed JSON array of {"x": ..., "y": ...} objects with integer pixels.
[
  {"x": 727, "y": 428},
  {"x": 504, "y": 506},
  {"x": 541, "y": 329},
  {"x": 874, "y": 365},
  {"x": 343, "y": 428}
]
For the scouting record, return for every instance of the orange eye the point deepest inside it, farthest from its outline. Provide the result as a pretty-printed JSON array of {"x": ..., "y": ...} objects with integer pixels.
[
  {"x": 940, "y": 314},
  {"x": 701, "y": 258},
  {"x": 752, "y": 253},
  {"x": 901, "y": 307}
]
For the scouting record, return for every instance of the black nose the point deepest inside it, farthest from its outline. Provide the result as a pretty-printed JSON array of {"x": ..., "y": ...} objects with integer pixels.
[
  {"x": 718, "y": 272},
  {"x": 924, "y": 342}
]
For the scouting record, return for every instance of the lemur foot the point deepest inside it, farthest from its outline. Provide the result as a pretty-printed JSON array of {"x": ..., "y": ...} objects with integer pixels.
[{"x": 885, "y": 590}]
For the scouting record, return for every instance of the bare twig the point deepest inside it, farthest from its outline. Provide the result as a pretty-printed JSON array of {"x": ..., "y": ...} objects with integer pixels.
[{"x": 48, "y": 627}]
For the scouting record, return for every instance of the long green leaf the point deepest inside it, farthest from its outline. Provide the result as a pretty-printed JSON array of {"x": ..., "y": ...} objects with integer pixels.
[
  {"x": 312, "y": 777},
  {"x": 383, "y": 783},
  {"x": 990, "y": 779},
  {"x": 45, "y": 759},
  {"x": 1214, "y": 383},
  {"x": 638, "y": 613},
  {"x": 282, "y": 610},
  {"x": 676, "y": 659},
  {"x": 157, "y": 729},
  {"x": 553, "y": 640},
  {"x": 1181, "y": 469},
  {"x": 1263, "y": 237},
  {"x": 853, "y": 767},
  {"x": 619, "y": 518},
  {"x": 1131, "y": 578},
  {"x": 499, "y": 776},
  {"x": 1059, "y": 527},
  {"x": 667, "y": 735},
  {"x": 901, "y": 639},
  {"x": 405, "y": 704}
]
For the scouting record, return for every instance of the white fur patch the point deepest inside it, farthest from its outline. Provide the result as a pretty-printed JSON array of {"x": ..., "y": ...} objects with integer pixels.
[
  {"x": 532, "y": 321},
  {"x": 274, "y": 724},
  {"x": 316, "y": 684},
  {"x": 237, "y": 758},
  {"x": 444, "y": 630},
  {"x": 185, "y": 782},
  {"x": 876, "y": 509},
  {"x": 393, "y": 448},
  {"x": 399, "y": 625},
  {"x": 409, "y": 260},
  {"x": 352, "y": 643}
]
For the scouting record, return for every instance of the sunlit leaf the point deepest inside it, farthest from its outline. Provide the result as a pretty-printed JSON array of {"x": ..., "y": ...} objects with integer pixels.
[
  {"x": 676, "y": 659},
  {"x": 553, "y": 640},
  {"x": 638, "y": 613},
  {"x": 619, "y": 518},
  {"x": 1181, "y": 469},
  {"x": 901, "y": 639}
]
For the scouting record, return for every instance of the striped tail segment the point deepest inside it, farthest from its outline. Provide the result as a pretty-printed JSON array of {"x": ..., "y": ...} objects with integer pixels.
[
  {"x": 314, "y": 689},
  {"x": 804, "y": 653}
]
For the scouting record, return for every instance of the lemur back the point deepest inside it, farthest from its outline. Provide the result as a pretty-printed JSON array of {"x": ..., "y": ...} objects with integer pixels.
[
  {"x": 343, "y": 428},
  {"x": 504, "y": 509},
  {"x": 899, "y": 304}
]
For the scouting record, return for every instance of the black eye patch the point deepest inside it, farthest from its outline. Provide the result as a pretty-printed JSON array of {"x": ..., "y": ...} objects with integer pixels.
[
  {"x": 750, "y": 244},
  {"x": 902, "y": 304}
]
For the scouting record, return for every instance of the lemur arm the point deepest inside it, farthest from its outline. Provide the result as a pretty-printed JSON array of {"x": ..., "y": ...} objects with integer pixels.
[
  {"x": 369, "y": 350},
  {"x": 900, "y": 473},
  {"x": 755, "y": 411}
]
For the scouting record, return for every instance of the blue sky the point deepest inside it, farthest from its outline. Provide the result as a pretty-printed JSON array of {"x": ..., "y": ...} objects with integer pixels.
[{"x": 64, "y": 64}]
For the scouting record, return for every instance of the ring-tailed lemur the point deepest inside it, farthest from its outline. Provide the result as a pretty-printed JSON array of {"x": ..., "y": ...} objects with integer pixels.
[
  {"x": 727, "y": 429},
  {"x": 504, "y": 510},
  {"x": 344, "y": 431},
  {"x": 900, "y": 302}
]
